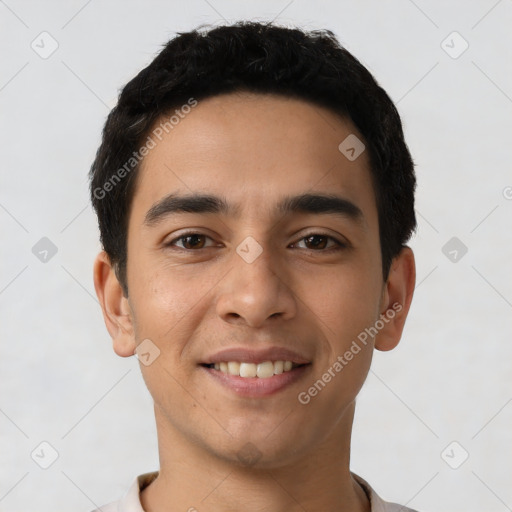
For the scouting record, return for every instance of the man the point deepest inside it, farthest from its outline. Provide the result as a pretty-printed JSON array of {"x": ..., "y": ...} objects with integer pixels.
[{"x": 254, "y": 195}]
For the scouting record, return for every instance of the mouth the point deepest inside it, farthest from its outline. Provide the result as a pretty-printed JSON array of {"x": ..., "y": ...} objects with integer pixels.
[
  {"x": 248, "y": 370},
  {"x": 255, "y": 380}
]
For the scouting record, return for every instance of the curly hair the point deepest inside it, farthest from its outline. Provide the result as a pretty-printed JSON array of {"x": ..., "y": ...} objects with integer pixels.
[{"x": 260, "y": 58}]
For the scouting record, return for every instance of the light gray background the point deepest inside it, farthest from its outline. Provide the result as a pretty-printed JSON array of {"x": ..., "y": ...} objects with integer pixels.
[{"x": 448, "y": 380}]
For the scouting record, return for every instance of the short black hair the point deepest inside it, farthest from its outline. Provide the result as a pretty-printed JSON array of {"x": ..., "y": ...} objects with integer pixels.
[{"x": 257, "y": 57}]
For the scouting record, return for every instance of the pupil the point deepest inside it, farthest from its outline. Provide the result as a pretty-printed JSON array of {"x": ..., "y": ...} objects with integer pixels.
[
  {"x": 317, "y": 238},
  {"x": 194, "y": 239}
]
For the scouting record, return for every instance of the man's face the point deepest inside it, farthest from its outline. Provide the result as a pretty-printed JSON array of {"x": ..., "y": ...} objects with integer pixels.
[{"x": 256, "y": 277}]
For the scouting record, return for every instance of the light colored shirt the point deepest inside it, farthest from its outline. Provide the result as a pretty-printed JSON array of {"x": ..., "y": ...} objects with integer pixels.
[{"x": 130, "y": 502}]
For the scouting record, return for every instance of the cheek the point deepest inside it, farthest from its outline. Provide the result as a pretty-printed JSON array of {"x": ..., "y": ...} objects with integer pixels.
[
  {"x": 346, "y": 300},
  {"x": 164, "y": 296},
  {"x": 169, "y": 305},
  {"x": 165, "y": 310},
  {"x": 345, "y": 303},
  {"x": 345, "y": 312}
]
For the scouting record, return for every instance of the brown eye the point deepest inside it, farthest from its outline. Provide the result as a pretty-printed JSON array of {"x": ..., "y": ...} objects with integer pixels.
[
  {"x": 190, "y": 241},
  {"x": 319, "y": 242},
  {"x": 316, "y": 241}
]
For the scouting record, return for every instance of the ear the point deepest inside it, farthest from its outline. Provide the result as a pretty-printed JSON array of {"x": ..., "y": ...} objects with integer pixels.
[
  {"x": 117, "y": 312},
  {"x": 396, "y": 299}
]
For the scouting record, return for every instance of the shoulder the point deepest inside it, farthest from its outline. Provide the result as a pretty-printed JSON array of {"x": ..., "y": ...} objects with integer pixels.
[
  {"x": 376, "y": 502},
  {"x": 130, "y": 502}
]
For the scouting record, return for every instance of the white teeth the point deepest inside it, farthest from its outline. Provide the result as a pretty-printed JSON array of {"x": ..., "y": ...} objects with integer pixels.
[
  {"x": 278, "y": 367},
  {"x": 247, "y": 370},
  {"x": 265, "y": 370},
  {"x": 262, "y": 370},
  {"x": 233, "y": 368}
]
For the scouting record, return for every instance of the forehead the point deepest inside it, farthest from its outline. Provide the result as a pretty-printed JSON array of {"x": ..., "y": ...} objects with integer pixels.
[{"x": 254, "y": 149}]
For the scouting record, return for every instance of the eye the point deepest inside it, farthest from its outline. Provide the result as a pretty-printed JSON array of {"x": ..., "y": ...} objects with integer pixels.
[
  {"x": 314, "y": 242},
  {"x": 319, "y": 241},
  {"x": 190, "y": 241}
]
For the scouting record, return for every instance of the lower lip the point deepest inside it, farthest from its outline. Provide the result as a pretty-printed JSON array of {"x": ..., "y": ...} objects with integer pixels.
[{"x": 255, "y": 386}]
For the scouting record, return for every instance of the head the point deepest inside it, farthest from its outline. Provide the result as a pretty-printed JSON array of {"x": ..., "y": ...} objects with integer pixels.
[
  {"x": 257, "y": 120},
  {"x": 260, "y": 58}
]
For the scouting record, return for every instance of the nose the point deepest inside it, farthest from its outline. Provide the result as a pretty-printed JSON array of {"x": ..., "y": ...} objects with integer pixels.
[{"x": 256, "y": 292}]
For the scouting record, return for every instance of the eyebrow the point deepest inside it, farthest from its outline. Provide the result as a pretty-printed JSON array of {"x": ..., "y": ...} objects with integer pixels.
[{"x": 318, "y": 204}]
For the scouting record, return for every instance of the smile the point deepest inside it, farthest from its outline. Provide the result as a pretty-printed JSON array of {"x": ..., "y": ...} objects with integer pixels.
[
  {"x": 262, "y": 370},
  {"x": 255, "y": 380}
]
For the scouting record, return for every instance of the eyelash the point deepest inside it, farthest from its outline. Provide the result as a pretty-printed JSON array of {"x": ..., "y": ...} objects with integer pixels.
[{"x": 339, "y": 245}]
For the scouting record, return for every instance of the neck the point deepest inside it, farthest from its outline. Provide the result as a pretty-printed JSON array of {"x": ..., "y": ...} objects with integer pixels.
[{"x": 192, "y": 478}]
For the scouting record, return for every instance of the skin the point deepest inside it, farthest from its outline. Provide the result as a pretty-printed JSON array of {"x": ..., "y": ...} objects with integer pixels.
[{"x": 253, "y": 150}]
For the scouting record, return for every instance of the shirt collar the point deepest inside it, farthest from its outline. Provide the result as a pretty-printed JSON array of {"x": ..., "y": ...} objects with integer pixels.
[{"x": 130, "y": 502}]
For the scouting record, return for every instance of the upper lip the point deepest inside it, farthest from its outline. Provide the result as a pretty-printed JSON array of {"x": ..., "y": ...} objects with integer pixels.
[{"x": 246, "y": 355}]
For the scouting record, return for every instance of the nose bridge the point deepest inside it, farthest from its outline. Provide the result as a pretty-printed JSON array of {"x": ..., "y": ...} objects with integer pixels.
[{"x": 253, "y": 290}]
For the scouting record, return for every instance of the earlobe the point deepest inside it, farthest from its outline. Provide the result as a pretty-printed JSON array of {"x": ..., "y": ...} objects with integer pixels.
[
  {"x": 116, "y": 309},
  {"x": 396, "y": 300}
]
